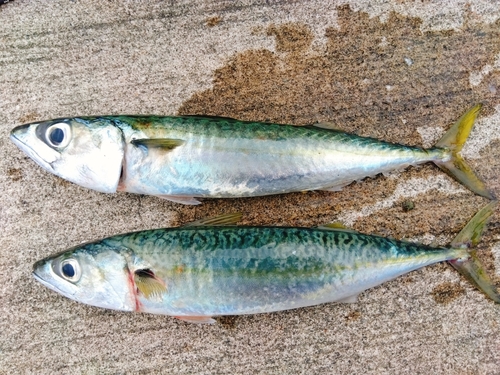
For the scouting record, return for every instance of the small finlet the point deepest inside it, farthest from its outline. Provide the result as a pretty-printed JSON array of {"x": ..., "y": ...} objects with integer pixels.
[
  {"x": 225, "y": 219},
  {"x": 149, "y": 285},
  {"x": 180, "y": 199},
  {"x": 197, "y": 319},
  {"x": 166, "y": 144}
]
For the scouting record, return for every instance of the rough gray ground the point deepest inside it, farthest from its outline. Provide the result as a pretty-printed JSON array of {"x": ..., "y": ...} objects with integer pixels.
[{"x": 398, "y": 70}]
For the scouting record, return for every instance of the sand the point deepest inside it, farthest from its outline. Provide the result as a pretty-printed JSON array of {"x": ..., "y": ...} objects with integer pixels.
[{"x": 401, "y": 71}]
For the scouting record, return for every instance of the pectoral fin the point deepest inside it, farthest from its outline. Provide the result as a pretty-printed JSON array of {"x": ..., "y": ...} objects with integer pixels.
[
  {"x": 149, "y": 285},
  {"x": 197, "y": 319},
  {"x": 166, "y": 144},
  {"x": 225, "y": 219}
]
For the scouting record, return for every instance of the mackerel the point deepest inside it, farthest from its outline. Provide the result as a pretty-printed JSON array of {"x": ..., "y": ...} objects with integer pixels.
[
  {"x": 189, "y": 157},
  {"x": 213, "y": 268}
]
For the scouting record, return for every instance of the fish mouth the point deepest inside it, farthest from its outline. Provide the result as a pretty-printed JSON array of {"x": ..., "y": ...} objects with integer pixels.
[
  {"x": 45, "y": 283},
  {"x": 41, "y": 280},
  {"x": 31, "y": 152}
]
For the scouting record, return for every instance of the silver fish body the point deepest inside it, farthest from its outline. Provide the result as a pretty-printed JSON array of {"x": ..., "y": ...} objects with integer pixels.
[
  {"x": 210, "y": 271},
  {"x": 235, "y": 159},
  {"x": 207, "y": 269},
  {"x": 181, "y": 158}
]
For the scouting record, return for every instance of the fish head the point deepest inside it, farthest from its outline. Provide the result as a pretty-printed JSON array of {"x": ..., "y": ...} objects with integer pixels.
[
  {"x": 93, "y": 274},
  {"x": 86, "y": 151}
]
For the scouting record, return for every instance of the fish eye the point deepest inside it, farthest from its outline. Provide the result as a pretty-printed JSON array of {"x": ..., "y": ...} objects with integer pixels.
[
  {"x": 58, "y": 135},
  {"x": 70, "y": 270}
]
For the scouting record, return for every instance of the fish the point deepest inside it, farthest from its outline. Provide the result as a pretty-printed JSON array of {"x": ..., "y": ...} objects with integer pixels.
[
  {"x": 214, "y": 267},
  {"x": 187, "y": 158}
]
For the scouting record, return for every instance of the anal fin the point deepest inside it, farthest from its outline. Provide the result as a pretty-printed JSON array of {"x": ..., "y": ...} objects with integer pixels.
[
  {"x": 334, "y": 188},
  {"x": 197, "y": 319},
  {"x": 350, "y": 299},
  {"x": 337, "y": 187},
  {"x": 180, "y": 199}
]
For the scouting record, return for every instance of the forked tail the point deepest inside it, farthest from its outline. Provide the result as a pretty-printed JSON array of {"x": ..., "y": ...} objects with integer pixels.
[
  {"x": 453, "y": 140},
  {"x": 471, "y": 268}
]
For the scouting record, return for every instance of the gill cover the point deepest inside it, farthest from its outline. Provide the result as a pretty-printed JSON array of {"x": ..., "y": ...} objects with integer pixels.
[
  {"x": 87, "y": 151},
  {"x": 92, "y": 274}
]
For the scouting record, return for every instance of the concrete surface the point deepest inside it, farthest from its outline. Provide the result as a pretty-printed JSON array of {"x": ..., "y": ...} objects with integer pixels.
[{"x": 393, "y": 69}]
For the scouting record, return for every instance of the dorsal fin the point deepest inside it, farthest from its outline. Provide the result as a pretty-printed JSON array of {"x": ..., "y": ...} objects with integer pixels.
[
  {"x": 225, "y": 219},
  {"x": 220, "y": 118},
  {"x": 166, "y": 144},
  {"x": 325, "y": 125},
  {"x": 338, "y": 226}
]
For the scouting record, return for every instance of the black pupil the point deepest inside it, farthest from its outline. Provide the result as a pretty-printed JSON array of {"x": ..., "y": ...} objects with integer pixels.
[
  {"x": 56, "y": 136},
  {"x": 68, "y": 270}
]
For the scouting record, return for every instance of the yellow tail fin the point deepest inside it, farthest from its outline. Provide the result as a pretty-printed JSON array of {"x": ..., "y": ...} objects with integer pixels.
[
  {"x": 471, "y": 268},
  {"x": 453, "y": 140}
]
